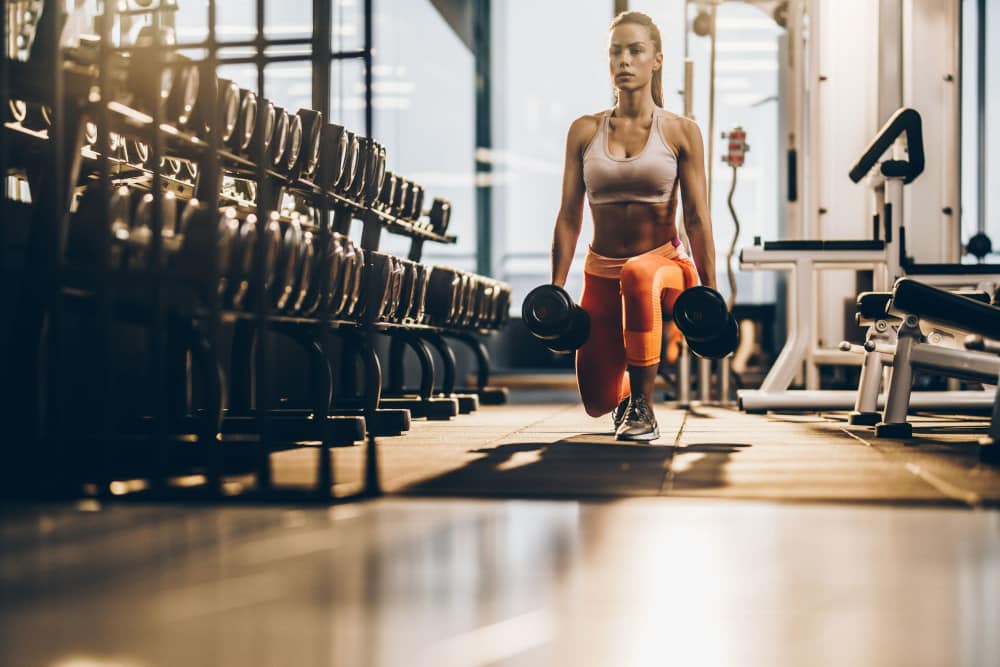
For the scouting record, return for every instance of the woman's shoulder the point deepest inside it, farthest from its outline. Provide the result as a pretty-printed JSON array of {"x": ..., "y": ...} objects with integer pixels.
[
  {"x": 583, "y": 129},
  {"x": 587, "y": 122},
  {"x": 679, "y": 130}
]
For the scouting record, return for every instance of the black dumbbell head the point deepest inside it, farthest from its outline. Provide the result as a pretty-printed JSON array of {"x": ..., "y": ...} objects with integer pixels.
[
  {"x": 312, "y": 134},
  {"x": 700, "y": 313},
  {"x": 293, "y": 149},
  {"x": 547, "y": 311},
  {"x": 722, "y": 345},
  {"x": 333, "y": 156}
]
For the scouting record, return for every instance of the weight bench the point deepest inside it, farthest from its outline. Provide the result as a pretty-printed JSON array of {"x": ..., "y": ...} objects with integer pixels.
[
  {"x": 879, "y": 349},
  {"x": 915, "y": 303}
]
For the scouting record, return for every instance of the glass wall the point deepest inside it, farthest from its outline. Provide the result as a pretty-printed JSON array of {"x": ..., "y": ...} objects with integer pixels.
[
  {"x": 424, "y": 99},
  {"x": 971, "y": 136},
  {"x": 549, "y": 67}
]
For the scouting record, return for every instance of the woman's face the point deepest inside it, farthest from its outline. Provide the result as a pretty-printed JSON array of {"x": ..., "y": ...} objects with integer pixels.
[{"x": 632, "y": 57}]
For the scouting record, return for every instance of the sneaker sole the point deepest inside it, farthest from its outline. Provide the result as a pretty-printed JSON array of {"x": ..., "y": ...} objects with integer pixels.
[{"x": 645, "y": 437}]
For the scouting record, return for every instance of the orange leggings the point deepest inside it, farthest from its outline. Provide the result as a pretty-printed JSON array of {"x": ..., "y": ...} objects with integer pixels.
[{"x": 643, "y": 292}]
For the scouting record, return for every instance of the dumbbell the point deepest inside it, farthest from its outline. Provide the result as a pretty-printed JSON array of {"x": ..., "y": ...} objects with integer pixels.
[
  {"x": 346, "y": 180},
  {"x": 710, "y": 329},
  {"x": 333, "y": 156},
  {"x": 246, "y": 121},
  {"x": 311, "y": 123},
  {"x": 195, "y": 254},
  {"x": 443, "y": 290},
  {"x": 279, "y": 138},
  {"x": 288, "y": 264},
  {"x": 551, "y": 315},
  {"x": 440, "y": 215},
  {"x": 385, "y": 197},
  {"x": 242, "y": 268}
]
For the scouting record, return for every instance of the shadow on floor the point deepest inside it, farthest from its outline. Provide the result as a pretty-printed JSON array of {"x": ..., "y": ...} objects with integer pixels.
[{"x": 588, "y": 464}]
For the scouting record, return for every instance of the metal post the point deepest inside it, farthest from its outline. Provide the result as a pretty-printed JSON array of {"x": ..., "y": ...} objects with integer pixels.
[
  {"x": 684, "y": 376},
  {"x": 981, "y": 157},
  {"x": 369, "y": 117},
  {"x": 484, "y": 138},
  {"x": 705, "y": 380}
]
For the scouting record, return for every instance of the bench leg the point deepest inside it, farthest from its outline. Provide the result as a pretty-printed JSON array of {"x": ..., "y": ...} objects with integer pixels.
[{"x": 897, "y": 401}]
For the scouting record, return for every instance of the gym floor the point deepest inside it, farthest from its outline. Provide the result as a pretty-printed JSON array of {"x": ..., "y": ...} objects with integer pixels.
[{"x": 524, "y": 535}]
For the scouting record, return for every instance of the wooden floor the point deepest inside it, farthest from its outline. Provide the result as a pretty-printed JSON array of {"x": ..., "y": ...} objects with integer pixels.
[
  {"x": 524, "y": 535},
  {"x": 555, "y": 450}
]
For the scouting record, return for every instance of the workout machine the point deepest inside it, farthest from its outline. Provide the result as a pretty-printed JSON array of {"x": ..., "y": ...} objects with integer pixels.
[{"x": 884, "y": 254}]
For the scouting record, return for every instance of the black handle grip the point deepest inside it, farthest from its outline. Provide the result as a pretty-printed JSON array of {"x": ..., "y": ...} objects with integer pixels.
[{"x": 904, "y": 120}]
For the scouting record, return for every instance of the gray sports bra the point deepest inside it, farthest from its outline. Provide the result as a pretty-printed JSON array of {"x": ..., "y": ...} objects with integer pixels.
[{"x": 648, "y": 176}]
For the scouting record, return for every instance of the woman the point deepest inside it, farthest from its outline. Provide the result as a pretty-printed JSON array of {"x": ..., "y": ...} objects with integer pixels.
[{"x": 631, "y": 161}]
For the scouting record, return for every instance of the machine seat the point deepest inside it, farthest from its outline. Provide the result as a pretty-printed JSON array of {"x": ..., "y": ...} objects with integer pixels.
[
  {"x": 875, "y": 305},
  {"x": 955, "y": 311}
]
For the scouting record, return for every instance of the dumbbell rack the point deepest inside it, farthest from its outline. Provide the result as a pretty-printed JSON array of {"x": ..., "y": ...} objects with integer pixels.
[{"x": 214, "y": 441}]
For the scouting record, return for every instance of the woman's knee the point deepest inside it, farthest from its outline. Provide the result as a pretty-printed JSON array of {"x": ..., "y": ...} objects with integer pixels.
[
  {"x": 599, "y": 405},
  {"x": 637, "y": 276}
]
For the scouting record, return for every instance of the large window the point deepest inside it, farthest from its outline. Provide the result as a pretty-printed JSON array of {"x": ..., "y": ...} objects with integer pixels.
[
  {"x": 423, "y": 94},
  {"x": 549, "y": 67},
  {"x": 980, "y": 206}
]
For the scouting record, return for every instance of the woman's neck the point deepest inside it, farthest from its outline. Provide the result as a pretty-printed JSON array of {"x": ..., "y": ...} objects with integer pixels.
[{"x": 634, "y": 104}]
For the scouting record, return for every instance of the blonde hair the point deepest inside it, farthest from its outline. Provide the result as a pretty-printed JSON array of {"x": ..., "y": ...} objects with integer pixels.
[{"x": 638, "y": 18}]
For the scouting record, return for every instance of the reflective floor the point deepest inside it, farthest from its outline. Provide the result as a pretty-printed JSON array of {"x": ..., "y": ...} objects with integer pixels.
[{"x": 437, "y": 582}]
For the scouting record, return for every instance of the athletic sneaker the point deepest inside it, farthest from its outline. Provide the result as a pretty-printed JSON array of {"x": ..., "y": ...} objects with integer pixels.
[
  {"x": 639, "y": 423},
  {"x": 618, "y": 414}
]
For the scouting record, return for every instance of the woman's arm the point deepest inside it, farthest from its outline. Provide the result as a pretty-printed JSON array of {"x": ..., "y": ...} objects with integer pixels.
[
  {"x": 697, "y": 218},
  {"x": 570, "y": 217}
]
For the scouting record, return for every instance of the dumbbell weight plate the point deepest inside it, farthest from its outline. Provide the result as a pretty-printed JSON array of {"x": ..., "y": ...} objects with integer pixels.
[
  {"x": 420, "y": 294},
  {"x": 312, "y": 134},
  {"x": 547, "y": 310},
  {"x": 418, "y": 203},
  {"x": 183, "y": 96},
  {"x": 398, "y": 195},
  {"x": 246, "y": 121},
  {"x": 388, "y": 190},
  {"x": 442, "y": 289},
  {"x": 288, "y": 264},
  {"x": 375, "y": 172},
  {"x": 397, "y": 289},
  {"x": 279, "y": 137},
  {"x": 440, "y": 215},
  {"x": 346, "y": 181},
  {"x": 355, "y": 305},
  {"x": 17, "y": 111},
  {"x": 242, "y": 262},
  {"x": 700, "y": 313},
  {"x": 135, "y": 152},
  {"x": 333, "y": 156},
  {"x": 504, "y": 306},
  {"x": 335, "y": 273},
  {"x": 140, "y": 236},
  {"x": 270, "y": 118},
  {"x": 307, "y": 272},
  {"x": 721, "y": 345},
  {"x": 293, "y": 149},
  {"x": 379, "y": 173},
  {"x": 313, "y": 299},
  {"x": 377, "y": 278},
  {"x": 227, "y": 109},
  {"x": 93, "y": 227},
  {"x": 407, "y": 289},
  {"x": 360, "y": 169}
]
